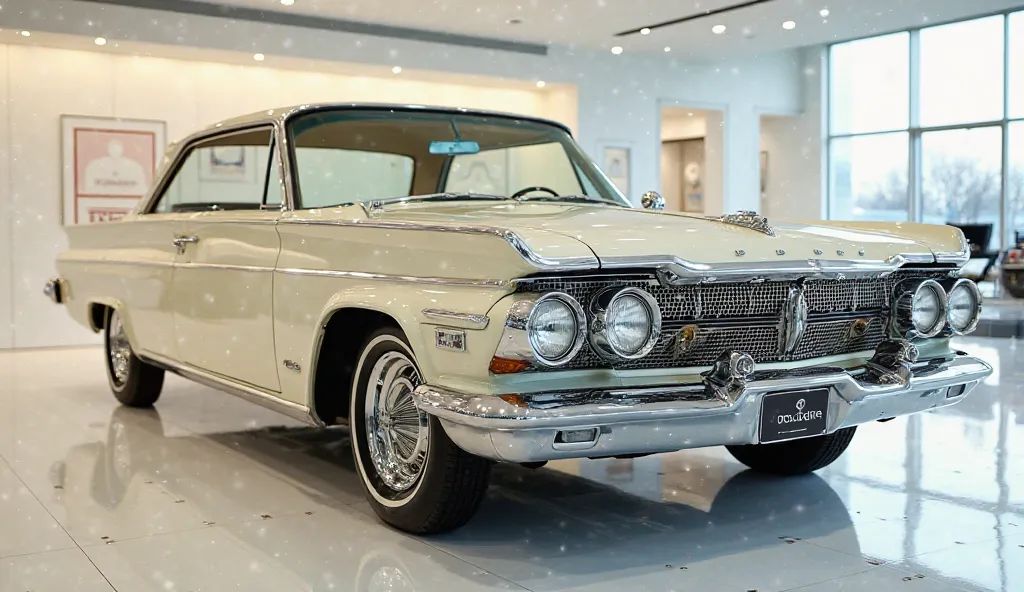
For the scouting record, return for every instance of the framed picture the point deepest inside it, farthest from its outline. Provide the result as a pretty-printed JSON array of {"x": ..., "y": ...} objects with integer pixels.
[
  {"x": 615, "y": 162},
  {"x": 230, "y": 164},
  {"x": 693, "y": 175},
  {"x": 108, "y": 165}
]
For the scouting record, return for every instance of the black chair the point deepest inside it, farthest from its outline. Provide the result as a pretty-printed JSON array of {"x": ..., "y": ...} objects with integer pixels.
[{"x": 978, "y": 237}]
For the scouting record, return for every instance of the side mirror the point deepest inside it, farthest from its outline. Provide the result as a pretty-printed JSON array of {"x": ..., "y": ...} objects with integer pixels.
[{"x": 652, "y": 200}]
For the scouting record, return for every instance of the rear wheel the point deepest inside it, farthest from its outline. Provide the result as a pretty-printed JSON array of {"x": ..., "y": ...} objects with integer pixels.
[
  {"x": 415, "y": 478},
  {"x": 134, "y": 382},
  {"x": 795, "y": 457}
]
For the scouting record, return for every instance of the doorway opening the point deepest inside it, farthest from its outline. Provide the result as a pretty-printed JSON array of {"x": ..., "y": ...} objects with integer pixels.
[{"x": 691, "y": 159}]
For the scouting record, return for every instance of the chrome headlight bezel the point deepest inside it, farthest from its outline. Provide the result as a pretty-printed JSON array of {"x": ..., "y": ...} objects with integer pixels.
[
  {"x": 964, "y": 283},
  {"x": 600, "y": 340},
  {"x": 903, "y": 308},
  {"x": 579, "y": 336}
]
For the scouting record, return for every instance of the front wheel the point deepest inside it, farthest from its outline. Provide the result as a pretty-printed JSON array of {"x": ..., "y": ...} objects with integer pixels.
[
  {"x": 134, "y": 382},
  {"x": 415, "y": 478},
  {"x": 794, "y": 457}
]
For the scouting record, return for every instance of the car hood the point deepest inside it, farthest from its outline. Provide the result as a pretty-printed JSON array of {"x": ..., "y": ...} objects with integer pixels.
[{"x": 616, "y": 234}]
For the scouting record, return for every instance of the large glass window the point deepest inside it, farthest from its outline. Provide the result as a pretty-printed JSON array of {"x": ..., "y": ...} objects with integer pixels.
[
  {"x": 859, "y": 70},
  {"x": 1015, "y": 185},
  {"x": 868, "y": 177},
  {"x": 962, "y": 72},
  {"x": 960, "y": 181},
  {"x": 917, "y": 124}
]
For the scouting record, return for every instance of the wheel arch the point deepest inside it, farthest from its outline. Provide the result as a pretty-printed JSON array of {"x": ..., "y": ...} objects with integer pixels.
[
  {"x": 343, "y": 331},
  {"x": 97, "y": 316}
]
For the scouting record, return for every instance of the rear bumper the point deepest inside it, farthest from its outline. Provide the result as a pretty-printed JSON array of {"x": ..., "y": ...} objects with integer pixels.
[{"x": 707, "y": 412}]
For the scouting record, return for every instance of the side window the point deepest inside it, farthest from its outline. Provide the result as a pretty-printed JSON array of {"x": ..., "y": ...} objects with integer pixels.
[
  {"x": 224, "y": 173},
  {"x": 331, "y": 176}
]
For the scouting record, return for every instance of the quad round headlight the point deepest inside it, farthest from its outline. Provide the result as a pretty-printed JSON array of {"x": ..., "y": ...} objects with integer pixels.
[
  {"x": 920, "y": 309},
  {"x": 626, "y": 324},
  {"x": 555, "y": 328},
  {"x": 964, "y": 308}
]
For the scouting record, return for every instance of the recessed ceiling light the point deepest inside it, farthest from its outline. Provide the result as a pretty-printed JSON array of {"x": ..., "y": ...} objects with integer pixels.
[
  {"x": 25, "y": 34},
  {"x": 396, "y": 70},
  {"x": 541, "y": 84},
  {"x": 667, "y": 49},
  {"x": 718, "y": 29},
  {"x": 616, "y": 50},
  {"x": 823, "y": 12},
  {"x": 100, "y": 41},
  {"x": 788, "y": 25},
  {"x": 259, "y": 57},
  {"x": 690, "y": 114},
  {"x": 287, "y": 2},
  {"x": 645, "y": 31}
]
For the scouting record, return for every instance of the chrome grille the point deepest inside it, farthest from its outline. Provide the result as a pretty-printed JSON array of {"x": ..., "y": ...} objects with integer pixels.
[{"x": 746, "y": 316}]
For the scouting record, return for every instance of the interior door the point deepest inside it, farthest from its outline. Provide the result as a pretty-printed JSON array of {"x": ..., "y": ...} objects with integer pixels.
[{"x": 224, "y": 286}]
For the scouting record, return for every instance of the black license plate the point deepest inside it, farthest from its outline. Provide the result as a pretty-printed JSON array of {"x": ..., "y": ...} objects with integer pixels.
[{"x": 794, "y": 414}]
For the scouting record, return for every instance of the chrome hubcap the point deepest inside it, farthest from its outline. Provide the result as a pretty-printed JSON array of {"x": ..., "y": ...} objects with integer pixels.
[
  {"x": 120, "y": 350},
  {"x": 397, "y": 433}
]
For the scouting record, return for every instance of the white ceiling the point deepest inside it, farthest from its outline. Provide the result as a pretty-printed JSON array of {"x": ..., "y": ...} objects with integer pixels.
[{"x": 594, "y": 23}]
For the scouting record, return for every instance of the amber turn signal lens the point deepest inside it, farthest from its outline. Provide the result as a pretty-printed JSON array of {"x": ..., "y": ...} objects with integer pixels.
[
  {"x": 507, "y": 366},
  {"x": 516, "y": 400}
]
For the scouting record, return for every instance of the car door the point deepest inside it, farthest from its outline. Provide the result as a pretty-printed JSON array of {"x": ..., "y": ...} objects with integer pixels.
[{"x": 223, "y": 287}]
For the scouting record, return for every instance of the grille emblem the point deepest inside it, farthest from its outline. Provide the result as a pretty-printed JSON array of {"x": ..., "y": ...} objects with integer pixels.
[
  {"x": 794, "y": 320},
  {"x": 686, "y": 340}
]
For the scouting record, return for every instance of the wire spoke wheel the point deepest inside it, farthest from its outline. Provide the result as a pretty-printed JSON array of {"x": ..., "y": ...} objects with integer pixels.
[
  {"x": 398, "y": 433},
  {"x": 120, "y": 350}
]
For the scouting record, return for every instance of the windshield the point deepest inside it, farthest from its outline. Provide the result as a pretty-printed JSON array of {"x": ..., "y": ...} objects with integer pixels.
[{"x": 356, "y": 155}]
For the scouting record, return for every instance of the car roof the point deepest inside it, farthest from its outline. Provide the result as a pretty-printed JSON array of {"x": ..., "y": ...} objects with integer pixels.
[{"x": 282, "y": 114}]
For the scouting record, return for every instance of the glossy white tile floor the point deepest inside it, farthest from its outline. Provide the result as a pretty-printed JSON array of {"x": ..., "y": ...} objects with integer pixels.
[{"x": 210, "y": 493}]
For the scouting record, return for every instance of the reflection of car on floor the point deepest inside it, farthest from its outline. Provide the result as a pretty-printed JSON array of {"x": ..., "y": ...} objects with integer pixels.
[
  {"x": 464, "y": 287},
  {"x": 103, "y": 483}
]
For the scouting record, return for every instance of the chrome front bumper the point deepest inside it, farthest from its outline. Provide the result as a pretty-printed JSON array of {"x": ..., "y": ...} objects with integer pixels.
[{"x": 709, "y": 412}]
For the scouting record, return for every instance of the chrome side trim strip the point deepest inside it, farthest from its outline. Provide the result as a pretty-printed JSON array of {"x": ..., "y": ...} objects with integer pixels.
[
  {"x": 469, "y": 321},
  {"x": 223, "y": 266},
  {"x": 394, "y": 278},
  {"x": 118, "y": 262},
  {"x": 242, "y": 390},
  {"x": 513, "y": 239}
]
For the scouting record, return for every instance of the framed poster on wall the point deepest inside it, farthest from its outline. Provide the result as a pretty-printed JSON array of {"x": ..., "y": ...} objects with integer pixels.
[
  {"x": 615, "y": 162},
  {"x": 108, "y": 165},
  {"x": 231, "y": 164}
]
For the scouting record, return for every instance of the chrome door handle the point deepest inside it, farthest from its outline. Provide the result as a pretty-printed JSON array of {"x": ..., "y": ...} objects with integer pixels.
[{"x": 181, "y": 241}]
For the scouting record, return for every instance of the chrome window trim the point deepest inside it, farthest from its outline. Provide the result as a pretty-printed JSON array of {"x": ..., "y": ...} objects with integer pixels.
[
  {"x": 471, "y": 321},
  {"x": 183, "y": 148}
]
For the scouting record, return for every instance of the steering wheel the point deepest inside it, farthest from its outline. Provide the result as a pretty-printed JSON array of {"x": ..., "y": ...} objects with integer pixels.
[{"x": 523, "y": 192}]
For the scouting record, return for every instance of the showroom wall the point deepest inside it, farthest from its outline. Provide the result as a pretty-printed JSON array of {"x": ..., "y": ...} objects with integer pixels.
[
  {"x": 43, "y": 83},
  {"x": 618, "y": 105},
  {"x": 796, "y": 149}
]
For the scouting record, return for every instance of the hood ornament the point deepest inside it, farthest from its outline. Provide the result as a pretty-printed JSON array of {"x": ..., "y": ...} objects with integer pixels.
[{"x": 747, "y": 219}]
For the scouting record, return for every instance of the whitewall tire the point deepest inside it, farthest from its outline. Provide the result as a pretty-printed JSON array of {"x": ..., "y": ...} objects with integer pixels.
[{"x": 415, "y": 478}]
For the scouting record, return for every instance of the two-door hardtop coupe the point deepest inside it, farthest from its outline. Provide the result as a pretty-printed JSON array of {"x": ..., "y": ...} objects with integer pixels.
[{"x": 462, "y": 287}]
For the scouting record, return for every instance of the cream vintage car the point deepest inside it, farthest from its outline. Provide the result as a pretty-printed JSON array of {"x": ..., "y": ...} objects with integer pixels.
[{"x": 462, "y": 287}]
